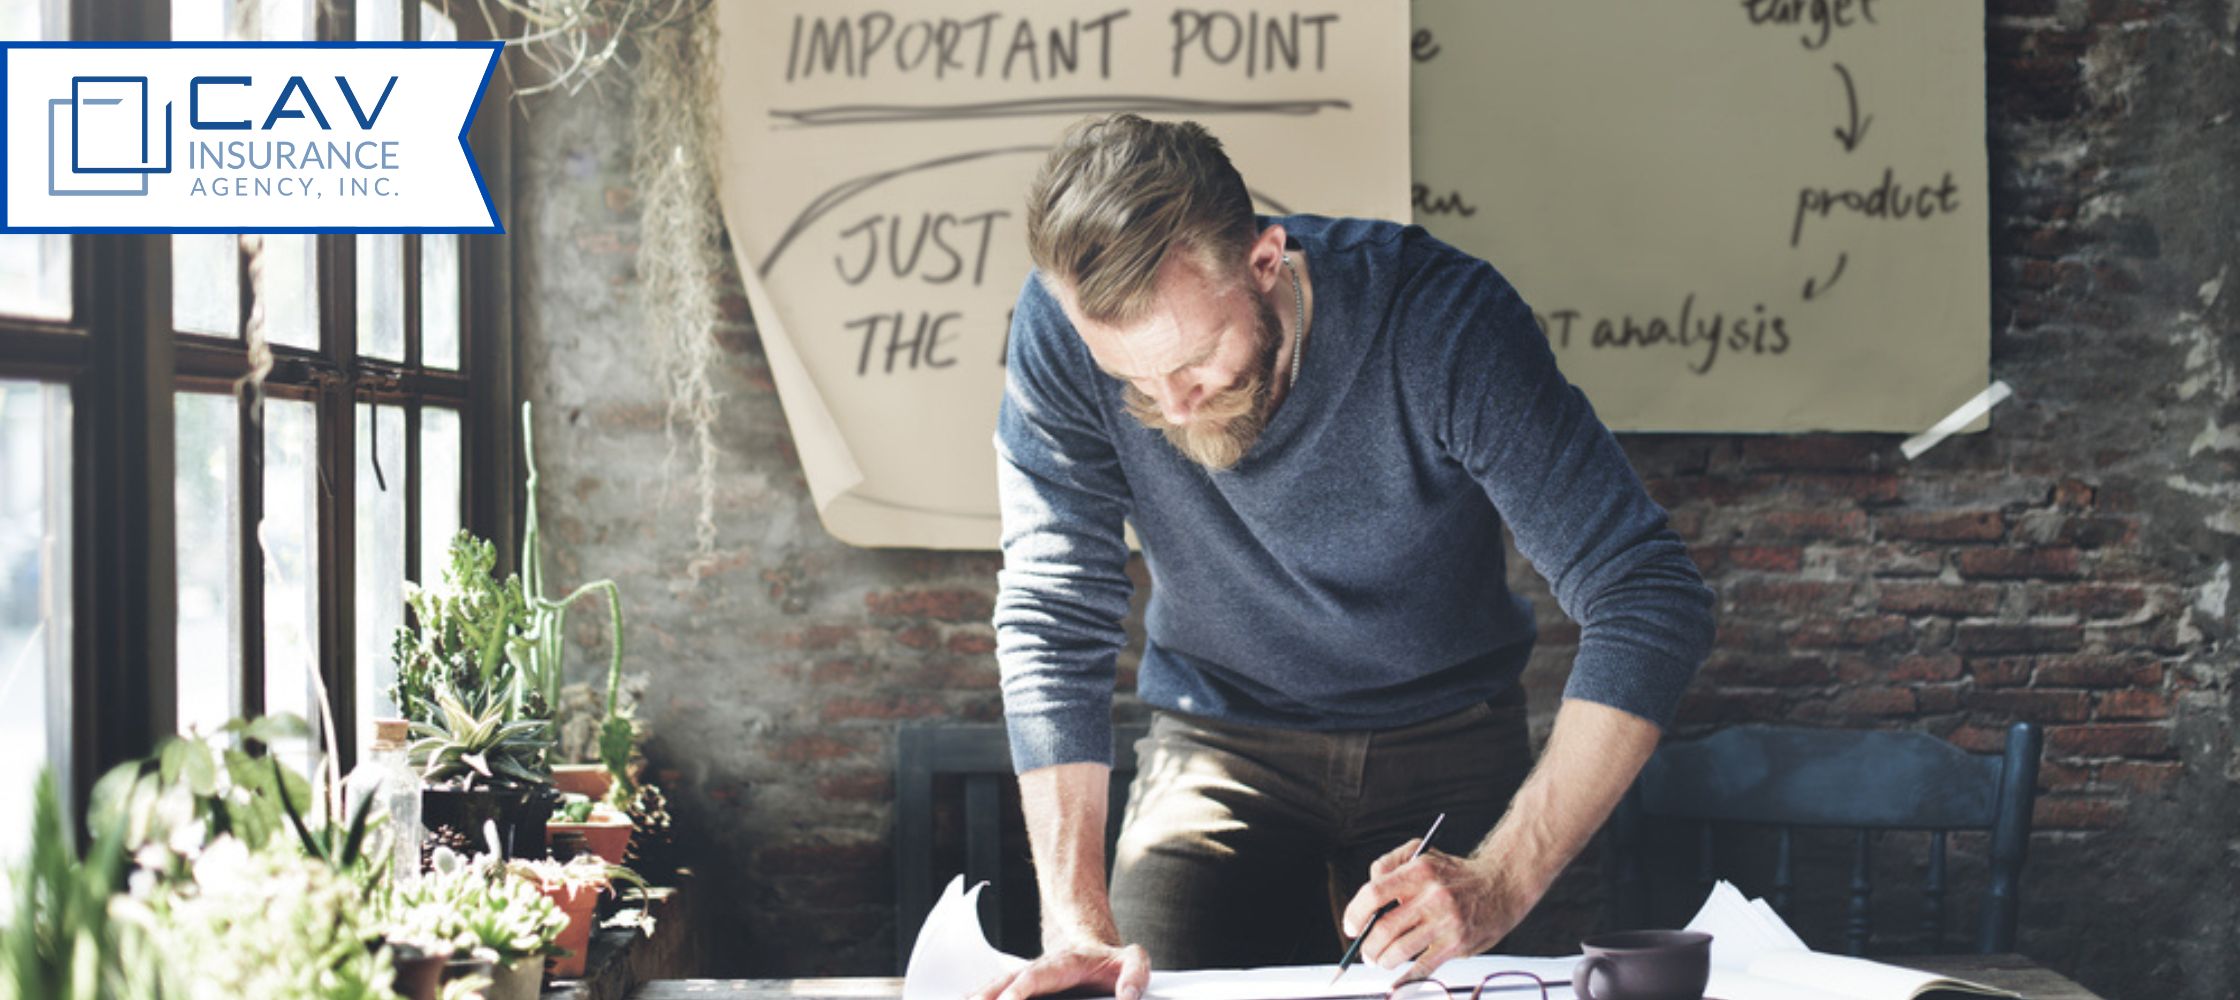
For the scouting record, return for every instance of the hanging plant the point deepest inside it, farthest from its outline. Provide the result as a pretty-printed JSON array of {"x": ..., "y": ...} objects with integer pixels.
[{"x": 670, "y": 45}]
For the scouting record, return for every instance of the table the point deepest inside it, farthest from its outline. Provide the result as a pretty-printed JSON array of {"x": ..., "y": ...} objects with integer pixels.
[{"x": 2013, "y": 972}]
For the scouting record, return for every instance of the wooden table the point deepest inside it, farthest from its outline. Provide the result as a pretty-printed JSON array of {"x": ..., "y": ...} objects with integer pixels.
[{"x": 2013, "y": 972}]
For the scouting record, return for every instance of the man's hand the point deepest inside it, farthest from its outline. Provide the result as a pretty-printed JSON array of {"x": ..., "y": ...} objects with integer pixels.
[
  {"x": 1122, "y": 970},
  {"x": 1450, "y": 907}
]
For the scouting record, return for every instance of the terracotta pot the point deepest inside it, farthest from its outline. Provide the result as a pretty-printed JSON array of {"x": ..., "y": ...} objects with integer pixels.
[
  {"x": 419, "y": 971},
  {"x": 588, "y": 780},
  {"x": 580, "y": 903},
  {"x": 519, "y": 979},
  {"x": 609, "y": 839}
]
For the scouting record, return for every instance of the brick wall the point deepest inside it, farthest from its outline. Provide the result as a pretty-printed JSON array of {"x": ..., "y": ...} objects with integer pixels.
[{"x": 2073, "y": 567}]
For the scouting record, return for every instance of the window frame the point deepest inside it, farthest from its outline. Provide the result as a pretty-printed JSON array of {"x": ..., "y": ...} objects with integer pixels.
[{"x": 123, "y": 363}]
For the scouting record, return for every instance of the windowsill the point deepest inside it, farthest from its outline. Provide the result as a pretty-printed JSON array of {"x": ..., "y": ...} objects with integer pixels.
[{"x": 624, "y": 958}]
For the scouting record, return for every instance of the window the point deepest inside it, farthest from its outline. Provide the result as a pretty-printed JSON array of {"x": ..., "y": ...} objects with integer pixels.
[{"x": 299, "y": 457}]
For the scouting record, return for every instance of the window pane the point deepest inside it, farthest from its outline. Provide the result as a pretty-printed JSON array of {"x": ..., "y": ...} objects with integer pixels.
[
  {"x": 380, "y": 556},
  {"x": 207, "y": 502},
  {"x": 206, "y": 284},
  {"x": 435, "y": 26},
  {"x": 34, "y": 596},
  {"x": 34, "y": 269},
  {"x": 286, "y": 270},
  {"x": 381, "y": 296},
  {"x": 291, "y": 570},
  {"x": 380, "y": 20},
  {"x": 35, "y": 275},
  {"x": 439, "y": 300},
  {"x": 440, "y": 503}
]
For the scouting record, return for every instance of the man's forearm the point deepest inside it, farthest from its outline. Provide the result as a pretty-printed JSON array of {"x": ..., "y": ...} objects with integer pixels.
[
  {"x": 1064, "y": 806},
  {"x": 1592, "y": 757}
]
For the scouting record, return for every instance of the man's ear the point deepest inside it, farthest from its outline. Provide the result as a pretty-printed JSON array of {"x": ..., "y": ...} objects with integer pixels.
[{"x": 1264, "y": 258}]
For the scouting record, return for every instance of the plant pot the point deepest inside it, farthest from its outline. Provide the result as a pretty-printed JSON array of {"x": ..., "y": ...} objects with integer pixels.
[
  {"x": 609, "y": 839},
  {"x": 419, "y": 970},
  {"x": 588, "y": 780},
  {"x": 519, "y": 813},
  {"x": 580, "y": 903},
  {"x": 479, "y": 962},
  {"x": 519, "y": 979}
]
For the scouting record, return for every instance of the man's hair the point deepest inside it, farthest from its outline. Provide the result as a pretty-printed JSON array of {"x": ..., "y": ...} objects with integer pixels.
[{"x": 1117, "y": 194}]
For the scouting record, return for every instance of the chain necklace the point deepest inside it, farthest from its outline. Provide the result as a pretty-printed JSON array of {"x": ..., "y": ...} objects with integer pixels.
[{"x": 1299, "y": 305}]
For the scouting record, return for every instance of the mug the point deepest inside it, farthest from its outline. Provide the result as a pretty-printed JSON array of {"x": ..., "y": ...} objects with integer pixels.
[{"x": 1643, "y": 965}]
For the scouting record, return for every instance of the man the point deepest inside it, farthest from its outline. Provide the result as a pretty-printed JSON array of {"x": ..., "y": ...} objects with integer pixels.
[{"x": 1317, "y": 428}]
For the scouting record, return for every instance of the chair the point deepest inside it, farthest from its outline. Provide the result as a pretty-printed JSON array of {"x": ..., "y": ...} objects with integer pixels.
[
  {"x": 1792, "y": 778},
  {"x": 979, "y": 755}
]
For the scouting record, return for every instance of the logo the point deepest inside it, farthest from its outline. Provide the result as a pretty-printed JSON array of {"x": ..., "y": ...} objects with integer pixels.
[{"x": 231, "y": 137}]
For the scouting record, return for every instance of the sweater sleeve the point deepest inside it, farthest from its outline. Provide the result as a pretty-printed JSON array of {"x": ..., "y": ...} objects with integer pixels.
[
  {"x": 1557, "y": 477},
  {"x": 1063, "y": 593}
]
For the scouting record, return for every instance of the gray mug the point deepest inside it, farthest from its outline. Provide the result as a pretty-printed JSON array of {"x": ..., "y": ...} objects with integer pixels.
[{"x": 1643, "y": 965}]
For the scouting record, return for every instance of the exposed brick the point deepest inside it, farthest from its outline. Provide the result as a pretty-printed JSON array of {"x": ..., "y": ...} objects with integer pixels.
[
  {"x": 1910, "y": 598},
  {"x": 2132, "y": 704},
  {"x": 2066, "y": 812},
  {"x": 881, "y": 707},
  {"x": 1743, "y": 670},
  {"x": 2115, "y": 739},
  {"x": 1876, "y": 702},
  {"x": 1760, "y": 558},
  {"x": 972, "y": 644},
  {"x": 807, "y": 749},
  {"x": 940, "y": 604},
  {"x": 2004, "y": 671},
  {"x": 857, "y": 786},
  {"x": 2018, "y": 564},
  {"x": 2091, "y": 600},
  {"x": 1790, "y": 597},
  {"x": 2144, "y": 777},
  {"x": 1806, "y": 526},
  {"x": 2006, "y": 637},
  {"x": 2100, "y": 671},
  {"x": 2028, "y": 705},
  {"x": 918, "y": 637},
  {"x": 1942, "y": 525},
  {"x": 2053, "y": 776},
  {"x": 1876, "y": 631}
]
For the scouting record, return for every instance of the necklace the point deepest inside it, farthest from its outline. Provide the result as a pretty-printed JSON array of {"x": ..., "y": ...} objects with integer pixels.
[{"x": 1299, "y": 305}]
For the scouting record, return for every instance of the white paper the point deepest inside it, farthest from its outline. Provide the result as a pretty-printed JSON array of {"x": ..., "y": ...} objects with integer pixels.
[{"x": 953, "y": 958}]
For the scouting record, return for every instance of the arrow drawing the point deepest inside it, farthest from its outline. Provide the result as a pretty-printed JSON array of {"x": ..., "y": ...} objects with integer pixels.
[
  {"x": 1811, "y": 290},
  {"x": 1858, "y": 130}
]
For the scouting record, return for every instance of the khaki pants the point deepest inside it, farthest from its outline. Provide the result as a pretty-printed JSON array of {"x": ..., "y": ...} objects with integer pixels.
[{"x": 1241, "y": 846}]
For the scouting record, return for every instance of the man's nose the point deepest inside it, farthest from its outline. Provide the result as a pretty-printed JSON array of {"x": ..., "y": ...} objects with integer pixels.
[{"x": 1178, "y": 395}]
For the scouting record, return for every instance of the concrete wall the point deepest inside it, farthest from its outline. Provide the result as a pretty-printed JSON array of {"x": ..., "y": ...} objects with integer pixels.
[{"x": 2072, "y": 567}]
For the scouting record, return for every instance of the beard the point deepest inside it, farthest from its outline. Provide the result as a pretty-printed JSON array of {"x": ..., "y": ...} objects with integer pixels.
[{"x": 1228, "y": 423}]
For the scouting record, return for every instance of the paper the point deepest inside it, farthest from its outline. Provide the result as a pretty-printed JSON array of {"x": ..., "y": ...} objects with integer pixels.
[
  {"x": 1729, "y": 216},
  {"x": 1755, "y": 956},
  {"x": 953, "y": 958}
]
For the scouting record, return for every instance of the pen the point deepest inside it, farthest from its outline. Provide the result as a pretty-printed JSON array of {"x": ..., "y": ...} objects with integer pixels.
[{"x": 1355, "y": 948}]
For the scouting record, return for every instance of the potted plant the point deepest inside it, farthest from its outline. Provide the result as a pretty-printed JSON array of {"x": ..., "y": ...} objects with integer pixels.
[
  {"x": 575, "y": 886},
  {"x": 605, "y": 830},
  {"x": 480, "y": 767}
]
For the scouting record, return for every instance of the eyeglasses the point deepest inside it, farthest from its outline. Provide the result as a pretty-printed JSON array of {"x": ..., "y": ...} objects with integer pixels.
[{"x": 1427, "y": 988}]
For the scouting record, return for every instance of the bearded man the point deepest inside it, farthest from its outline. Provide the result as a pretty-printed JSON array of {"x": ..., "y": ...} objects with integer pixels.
[{"x": 1318, "y": 429}]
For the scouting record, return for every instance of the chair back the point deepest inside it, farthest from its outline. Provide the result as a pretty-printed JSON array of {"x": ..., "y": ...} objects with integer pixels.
[
  {"x": 1868, "y": 782},
  {"x": 978, "y": 757}
]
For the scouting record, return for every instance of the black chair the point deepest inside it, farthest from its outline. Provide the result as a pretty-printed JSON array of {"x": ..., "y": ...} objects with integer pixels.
[
  {"x": 1792, "y": 778},
  {"x": 926, "y": 756}
]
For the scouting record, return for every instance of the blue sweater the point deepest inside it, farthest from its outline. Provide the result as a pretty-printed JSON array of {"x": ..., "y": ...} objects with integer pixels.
[{"x": 1348, "y": 573}]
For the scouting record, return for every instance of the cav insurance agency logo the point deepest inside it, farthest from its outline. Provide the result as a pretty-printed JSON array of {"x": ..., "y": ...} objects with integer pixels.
[{"x": 232, "y": 137}]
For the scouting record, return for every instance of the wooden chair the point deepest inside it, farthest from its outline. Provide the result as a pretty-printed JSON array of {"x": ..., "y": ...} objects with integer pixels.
[
  {"x": 980, "y": 756},
  {"x": 1792, "y": 778}
]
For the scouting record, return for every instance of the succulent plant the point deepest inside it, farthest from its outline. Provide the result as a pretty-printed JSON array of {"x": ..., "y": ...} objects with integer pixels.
[{"x": 479, "y": 742}]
